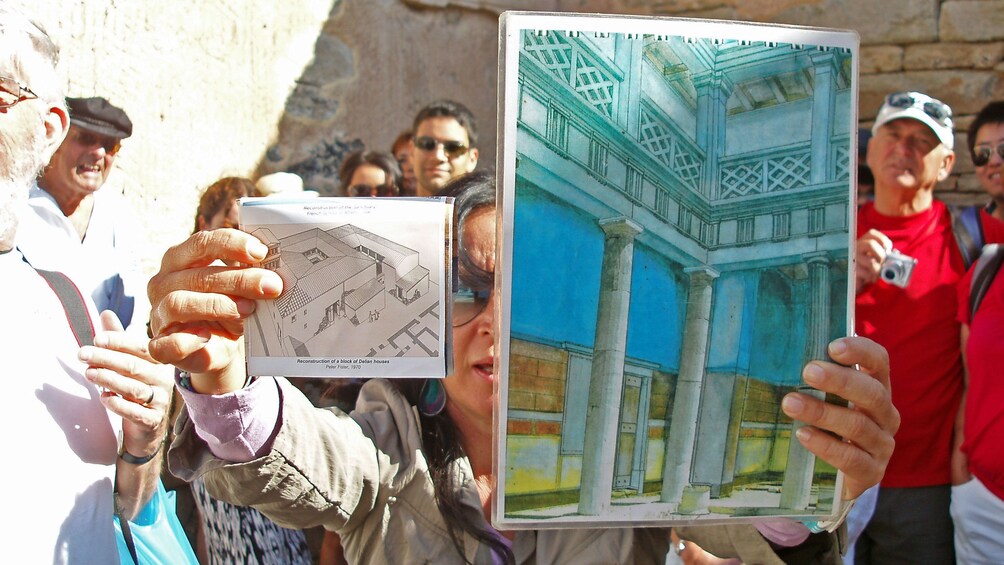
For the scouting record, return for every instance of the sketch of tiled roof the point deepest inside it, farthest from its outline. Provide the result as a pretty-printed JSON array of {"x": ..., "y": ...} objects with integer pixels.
[
  {"x": 363, "y": 294},
  {"x": 393, "y": 253},
  {"x": 265, "y": 235},
  {"x": 293, "y": 298},
  {"x": 413, "y": 277}
]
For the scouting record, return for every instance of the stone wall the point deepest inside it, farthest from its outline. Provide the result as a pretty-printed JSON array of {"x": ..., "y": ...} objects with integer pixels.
[{"x": 250, "y": 87}]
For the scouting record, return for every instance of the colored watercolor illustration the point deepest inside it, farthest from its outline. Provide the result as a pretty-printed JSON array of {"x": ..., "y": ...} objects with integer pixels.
[
  {"x": 359, "y": 290},
  {"x": 678, "y": 196}
]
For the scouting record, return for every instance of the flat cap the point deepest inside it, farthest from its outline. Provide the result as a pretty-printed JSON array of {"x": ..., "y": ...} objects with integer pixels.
[{"x": 97, "y": 115}]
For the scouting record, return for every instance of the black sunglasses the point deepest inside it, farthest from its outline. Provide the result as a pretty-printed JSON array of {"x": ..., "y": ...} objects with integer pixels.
[
  {"x": 370, "y": 190},
  {"x": 933, "y": 108},
  {"x": 452, "y": 148},
  {"x": 468, "y": 302},
  {"x": 89, "y": 139},
  {"x": 981, "y": 154}
]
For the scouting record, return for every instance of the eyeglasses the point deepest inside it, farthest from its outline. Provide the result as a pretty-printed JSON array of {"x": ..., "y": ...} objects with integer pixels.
[
  {"x": 982, "y": 153},
  {"x": 88, "y": 139},
  {"x": 468, "y": 302},
  {"x": 452, "y": 148},
  {"x": 370, "y": 190},
  {"x": 934, "y": 108},
  {"x": 12, "y": 92}
]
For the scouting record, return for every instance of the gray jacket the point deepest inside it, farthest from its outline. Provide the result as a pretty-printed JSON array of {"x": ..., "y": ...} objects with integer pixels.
[{"x": 364, "y": 476}]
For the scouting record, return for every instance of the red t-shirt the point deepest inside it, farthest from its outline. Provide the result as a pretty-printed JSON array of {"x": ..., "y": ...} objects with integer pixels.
[
  {"x": 984, "y": 427},
  {"x": 918, "y": 326},
  {"x": 993, "y": 229}
]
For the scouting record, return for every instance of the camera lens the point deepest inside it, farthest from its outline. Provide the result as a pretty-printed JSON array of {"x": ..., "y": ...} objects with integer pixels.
[{"x": 890, "y": 272}]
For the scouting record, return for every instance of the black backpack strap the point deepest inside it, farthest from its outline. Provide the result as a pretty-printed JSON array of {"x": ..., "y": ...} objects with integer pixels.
[
  {"x": 983, "y": 275},
  {"x": 73, "y": 304},
  {"x": 968, "y": 231}
]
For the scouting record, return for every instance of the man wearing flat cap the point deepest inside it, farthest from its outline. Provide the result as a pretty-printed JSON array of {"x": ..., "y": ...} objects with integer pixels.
[{"x": 82, "y": 230}]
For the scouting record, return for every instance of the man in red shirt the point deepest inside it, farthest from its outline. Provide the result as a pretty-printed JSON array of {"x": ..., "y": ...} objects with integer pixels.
[{"x": 914, "y": 318}]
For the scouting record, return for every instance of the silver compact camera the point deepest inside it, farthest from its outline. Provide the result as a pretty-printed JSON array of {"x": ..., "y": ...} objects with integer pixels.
[{"x": 897, "y": 268}]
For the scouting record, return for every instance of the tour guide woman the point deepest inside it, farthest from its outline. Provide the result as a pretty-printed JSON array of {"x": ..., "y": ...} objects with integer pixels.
[{"x": 407, "y": 476}]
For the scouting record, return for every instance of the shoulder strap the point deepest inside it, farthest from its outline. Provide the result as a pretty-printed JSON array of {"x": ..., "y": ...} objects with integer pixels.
[
  {"x": 983, "y": 275},
  {"x": 73, "y": 304},
  {"x": 968, "y": 231}
]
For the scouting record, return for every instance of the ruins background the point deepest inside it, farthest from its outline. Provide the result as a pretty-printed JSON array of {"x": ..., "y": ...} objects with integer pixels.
[{"x": 248, "y": 87}]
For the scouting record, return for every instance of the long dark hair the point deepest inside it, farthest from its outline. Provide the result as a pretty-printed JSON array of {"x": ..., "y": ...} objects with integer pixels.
[{"x": 440, "y": 436}]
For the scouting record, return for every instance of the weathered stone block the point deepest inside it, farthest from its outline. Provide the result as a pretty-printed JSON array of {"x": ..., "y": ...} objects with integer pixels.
[
  {"x": 892, "y": 21},
  {"x": 972, "y": 20},
  {"x": 953, "y": 56},
  {"x": 965, "y": 91},
  {"x": 881, "y": 59}
]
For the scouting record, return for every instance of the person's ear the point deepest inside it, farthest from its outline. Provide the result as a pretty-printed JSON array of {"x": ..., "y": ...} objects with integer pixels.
[
  {"x": 57, "y": 124},
  {"x": 946, "y": 165},
  {"x": 472, "y": 161}
]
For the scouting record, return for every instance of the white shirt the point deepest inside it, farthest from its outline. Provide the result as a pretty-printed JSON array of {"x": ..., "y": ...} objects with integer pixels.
[
  {"x": 60, "y": 443},
  {"x": 105, "y": 264}
]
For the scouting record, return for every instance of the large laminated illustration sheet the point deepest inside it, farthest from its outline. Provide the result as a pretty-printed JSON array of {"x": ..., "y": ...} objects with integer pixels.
[
  {"x": 366, "y": 287},
  {"x": 677, "y": 216}
]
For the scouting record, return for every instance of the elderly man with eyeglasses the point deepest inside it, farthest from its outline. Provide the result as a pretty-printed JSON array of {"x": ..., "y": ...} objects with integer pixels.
[
  {"x": 444, "y": 146},
  {"x": 88, "y": 233},
  {"x": 83, "y": 426},
  {"x": 907, "y": 266}
]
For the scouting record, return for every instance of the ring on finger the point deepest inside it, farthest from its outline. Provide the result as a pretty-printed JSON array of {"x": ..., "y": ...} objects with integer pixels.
[
  {"x": 146, "y": 403},
  {"x": 679, "y": 547}
]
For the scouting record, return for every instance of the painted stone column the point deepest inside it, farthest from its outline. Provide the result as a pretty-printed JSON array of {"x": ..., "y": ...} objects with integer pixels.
[
  {"x": 795, "y": 490},
  {"x": 713, "y": 91},
  {"x": 823, "y": 104},
  {"x": 687, "y": 401},
  {"x": 607, "y": 374},
  {"x": 628, "y": 55}
]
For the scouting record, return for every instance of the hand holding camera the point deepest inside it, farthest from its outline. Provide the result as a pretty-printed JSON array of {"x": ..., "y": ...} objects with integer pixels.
[
  {"x": 897, "y": 268},
  {"x": 876, "y": 259}
]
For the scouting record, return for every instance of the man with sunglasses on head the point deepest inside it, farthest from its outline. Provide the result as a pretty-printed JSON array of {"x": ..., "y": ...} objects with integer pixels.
[
  {"x": 84, "y": 231},
  {"x": 444, "y": 146},
  {"x": 907, "y": 265}
]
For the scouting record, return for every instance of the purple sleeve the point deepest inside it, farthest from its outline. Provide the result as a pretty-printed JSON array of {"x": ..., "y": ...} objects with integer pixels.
[
  {"x": 239, "y": 426},
  {"x": 784, "y": 533}
]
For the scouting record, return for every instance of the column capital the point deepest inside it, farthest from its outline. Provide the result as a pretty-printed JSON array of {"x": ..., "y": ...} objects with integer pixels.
[
  {"x": 824, "y": 60},
  {"x": 704, "y": 82},
  {"x": 701, "y": 273},
  {"x": 620, "y": 226},
  {"x": 817, "y": 257}
]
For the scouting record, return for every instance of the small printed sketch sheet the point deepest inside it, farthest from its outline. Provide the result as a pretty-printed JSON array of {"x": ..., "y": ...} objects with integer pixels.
[{"x": 366, "y": 284}]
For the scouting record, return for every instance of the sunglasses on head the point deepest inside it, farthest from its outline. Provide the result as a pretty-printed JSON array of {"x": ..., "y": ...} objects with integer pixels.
[
  {"x": 88, "y": 139},
  {"x": 452, "y": 148},
  {"x": 934, "y": 108},
  {"x": 12, "y": 92},
  {"x": 468, "y": 302},
  {"x": 982, "y": 153},
  {"x": 370, "y": 190}
]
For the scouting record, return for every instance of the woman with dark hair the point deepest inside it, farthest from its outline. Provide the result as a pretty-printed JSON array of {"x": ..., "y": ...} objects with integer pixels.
[
  {"x": 370, "y": 173},
  {"x": 218, "y": 204},
  {"x": 401, "y": 148},
  {"x": 407, "y": 476}
]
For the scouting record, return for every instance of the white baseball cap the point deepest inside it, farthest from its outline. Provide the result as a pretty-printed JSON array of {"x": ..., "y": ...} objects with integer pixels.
[{"x": 932, "y": 112}]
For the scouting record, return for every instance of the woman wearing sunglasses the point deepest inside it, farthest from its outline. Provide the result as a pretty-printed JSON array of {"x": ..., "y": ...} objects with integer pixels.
[
  {"x": 370, "y": 173},
  {"x": 407, "y": 476}
]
